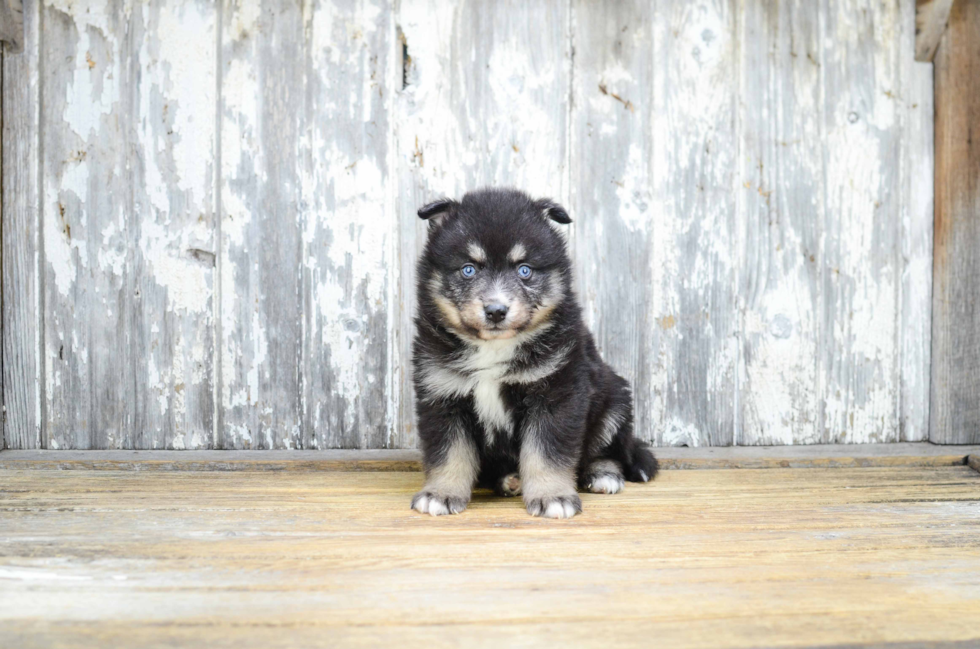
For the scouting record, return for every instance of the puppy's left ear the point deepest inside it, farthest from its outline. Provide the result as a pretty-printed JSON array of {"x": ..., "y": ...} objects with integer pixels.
[
  {"x": 438, "y": 211},
  {"x": 553, "y": 211}
]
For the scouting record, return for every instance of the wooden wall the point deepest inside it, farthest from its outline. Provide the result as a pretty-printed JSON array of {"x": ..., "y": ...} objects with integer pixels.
[{"x": 209, "y": 230}]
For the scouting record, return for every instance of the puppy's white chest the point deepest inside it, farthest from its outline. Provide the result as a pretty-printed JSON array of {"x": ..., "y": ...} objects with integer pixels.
[
  {"x": 488, "y": 364},
  {"x": 490, "y": 408}
]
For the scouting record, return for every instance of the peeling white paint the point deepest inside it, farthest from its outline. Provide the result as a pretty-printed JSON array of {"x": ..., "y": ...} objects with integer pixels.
[{"x": 813, "y": 329}]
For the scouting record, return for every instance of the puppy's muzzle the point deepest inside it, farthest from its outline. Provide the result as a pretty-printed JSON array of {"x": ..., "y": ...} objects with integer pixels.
[{"x": 495, "y": 312}]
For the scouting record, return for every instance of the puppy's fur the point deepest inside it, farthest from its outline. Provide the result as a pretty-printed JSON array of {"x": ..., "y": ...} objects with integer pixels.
[{"x": 523, "y": 405}]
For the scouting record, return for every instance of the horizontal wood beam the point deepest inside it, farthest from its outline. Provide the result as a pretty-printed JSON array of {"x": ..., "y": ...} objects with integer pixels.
[
  {"x": 739, "y": 457},
  {"x": 930, "y": 23},
  {"x": 955, "y": 381}
]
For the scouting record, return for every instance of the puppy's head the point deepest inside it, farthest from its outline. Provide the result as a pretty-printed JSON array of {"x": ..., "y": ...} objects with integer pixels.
[{"x": 494, "y": 266}]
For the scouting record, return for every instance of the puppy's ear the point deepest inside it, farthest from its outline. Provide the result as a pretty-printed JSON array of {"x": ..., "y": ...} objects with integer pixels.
[
  {"x": 437, "y": 212},
  {"x": 553, "y": 211}
]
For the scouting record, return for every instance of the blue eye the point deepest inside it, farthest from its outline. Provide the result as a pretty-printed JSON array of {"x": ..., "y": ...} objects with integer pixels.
[
  {"x": 469, "y": 270},
  {"x": 524, "y": 271}
]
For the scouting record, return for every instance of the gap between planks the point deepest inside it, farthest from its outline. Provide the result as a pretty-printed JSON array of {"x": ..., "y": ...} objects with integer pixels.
[{"x": 758, "y": 457}]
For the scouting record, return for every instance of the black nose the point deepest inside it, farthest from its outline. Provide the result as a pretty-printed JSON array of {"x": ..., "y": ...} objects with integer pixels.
[{"x": 495, "y": 312}]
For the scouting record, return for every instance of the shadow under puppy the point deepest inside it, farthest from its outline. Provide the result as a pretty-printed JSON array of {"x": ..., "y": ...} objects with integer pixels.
[{"x": 511, "y": 393}]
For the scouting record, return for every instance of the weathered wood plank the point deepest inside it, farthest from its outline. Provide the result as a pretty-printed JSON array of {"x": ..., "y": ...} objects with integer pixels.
[
  {"x": 127, "y": 222},
  {"x": 485, "y": 102},
  {"x": 20, "y": 242},
  {"x": 861, "y": 260},
  {"x": 955, "y": 401},
  {"x": 809, "y": 456},
  {"x": 931, "y": 17},
  {"x": 917, "y": 223},
  {"x": 305, "y": 239},
  {"x": 838, "y": 233},
  {"x": 693, "y": 278},
  {"x": 261, "y": 248},
  {"x": 349, "y": 228},
  {"x": 612, "y": 198},
  {"x": 781, "y": 205},
  {"x": 337, "y": 559}
]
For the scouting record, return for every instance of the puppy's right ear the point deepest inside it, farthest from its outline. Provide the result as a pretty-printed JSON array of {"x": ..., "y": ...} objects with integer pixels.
[{"x": 437, "y": 212}]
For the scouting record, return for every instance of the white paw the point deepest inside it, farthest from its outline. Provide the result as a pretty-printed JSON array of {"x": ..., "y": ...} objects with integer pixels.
[
  {"x": 510, "y": 485},
  {"x": 606, "y": 483},
  {"x": 555, "y": 506},
  {"x": 428, "y": 502}
]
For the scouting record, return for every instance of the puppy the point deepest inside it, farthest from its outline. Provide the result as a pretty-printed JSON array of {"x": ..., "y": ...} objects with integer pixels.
[{"x": 511, "y": 393}]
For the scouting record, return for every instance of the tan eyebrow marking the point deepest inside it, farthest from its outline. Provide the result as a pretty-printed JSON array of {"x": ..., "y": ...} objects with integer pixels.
[
  {"x": 477, "y": 253},
  {"x": 517, "y": 253}
]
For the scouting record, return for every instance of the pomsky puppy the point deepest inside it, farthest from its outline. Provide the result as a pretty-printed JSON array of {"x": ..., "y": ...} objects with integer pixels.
[{"x": 511, "y": 393}]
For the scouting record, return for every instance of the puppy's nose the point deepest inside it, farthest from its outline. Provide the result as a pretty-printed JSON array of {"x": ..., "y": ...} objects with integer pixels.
[{"x": 495, "y": 312}]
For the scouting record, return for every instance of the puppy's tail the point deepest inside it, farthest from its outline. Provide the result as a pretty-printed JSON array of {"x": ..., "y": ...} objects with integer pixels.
[{"x": 641, "y": 466}]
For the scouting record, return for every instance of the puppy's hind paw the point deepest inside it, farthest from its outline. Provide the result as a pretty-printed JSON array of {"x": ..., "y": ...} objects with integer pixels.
[
  {"x": 606, "y": 483},
  {"x": 509, "y": 485},
  {"x": 429, "y": 502},
  {"x": 555, "y": 506},
  {"x": 603, "y": 477}
]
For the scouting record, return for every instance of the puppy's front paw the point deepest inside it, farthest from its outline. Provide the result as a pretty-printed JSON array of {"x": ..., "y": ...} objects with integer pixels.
[
  {"x": 555, "y": 506},
  {"x": 509, "y": 485},
  {"x": 429, "y": 502}
]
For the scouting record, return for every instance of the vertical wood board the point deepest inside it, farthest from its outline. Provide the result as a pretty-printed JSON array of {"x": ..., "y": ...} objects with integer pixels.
[
  {"x": 781, "y": 192},
  {"x": 695, "y": 144},
  {"x": 126, "y": 132},
  {"x": 862, "y": 127},
  {"x": 955, "y": 398},
  {"x": 917, "y": 243},
  {"x": 19, "y": 255},
  {"x": 305, "y": 240}
]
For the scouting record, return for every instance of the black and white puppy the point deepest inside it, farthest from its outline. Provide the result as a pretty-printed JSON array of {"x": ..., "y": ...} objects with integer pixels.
[{"x": 511, "y": 393}]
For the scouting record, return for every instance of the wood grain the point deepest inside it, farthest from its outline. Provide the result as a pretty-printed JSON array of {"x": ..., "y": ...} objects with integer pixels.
[
  {"x": 694, "y": 559},
  {"x": 781, "y": 204},
  {"x": 127, "y": 224},
  {"x": 349, "y": 231},
  {"x": 262, "y": 117},
  {"x": 835, "y": 240},
  {"x": 307, "y": 233},
  {"x": 695, "y": 145},
  {"x": 19, "y": 243},
  {"x": 861, "y": 258},
  {"x": 955, "y": 402}
]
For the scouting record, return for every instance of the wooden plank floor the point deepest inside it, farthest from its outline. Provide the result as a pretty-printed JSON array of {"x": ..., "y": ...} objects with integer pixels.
[{"x": 742, "y": 558}]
